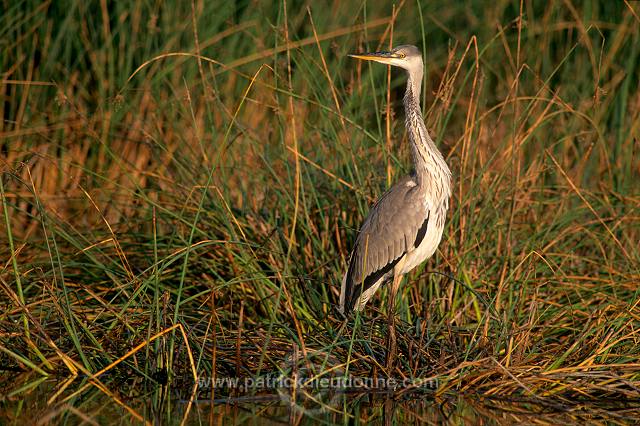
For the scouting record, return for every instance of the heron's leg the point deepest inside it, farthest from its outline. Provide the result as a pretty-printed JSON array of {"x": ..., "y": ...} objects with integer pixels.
[{"x": 391, "y": 322}]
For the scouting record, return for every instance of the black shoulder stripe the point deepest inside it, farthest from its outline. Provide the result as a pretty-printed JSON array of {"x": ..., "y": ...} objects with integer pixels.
[
  {"x": 358, "y": 288},
  {"x": 422, "y": 231}
]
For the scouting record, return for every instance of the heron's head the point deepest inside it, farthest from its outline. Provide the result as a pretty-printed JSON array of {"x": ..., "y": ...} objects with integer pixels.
[{"x": 406, "y": 56}]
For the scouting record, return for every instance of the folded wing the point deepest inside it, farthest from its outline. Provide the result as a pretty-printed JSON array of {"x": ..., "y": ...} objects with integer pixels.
[{"x": 396, "y": 224}]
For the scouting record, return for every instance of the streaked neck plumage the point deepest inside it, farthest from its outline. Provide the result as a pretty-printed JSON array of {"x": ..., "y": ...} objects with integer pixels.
[{"x": 431, "y": 171}]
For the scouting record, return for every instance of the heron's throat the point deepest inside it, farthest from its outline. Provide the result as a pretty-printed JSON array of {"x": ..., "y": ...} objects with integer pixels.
[{"x": 414, "y": 83}]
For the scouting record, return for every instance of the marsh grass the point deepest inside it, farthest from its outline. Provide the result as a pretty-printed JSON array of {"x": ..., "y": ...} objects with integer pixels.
[{"x": 200, "y": 170}]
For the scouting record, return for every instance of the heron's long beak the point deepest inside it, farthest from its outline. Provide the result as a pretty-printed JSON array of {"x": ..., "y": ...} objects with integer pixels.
[{"x": 383, "y": 57}]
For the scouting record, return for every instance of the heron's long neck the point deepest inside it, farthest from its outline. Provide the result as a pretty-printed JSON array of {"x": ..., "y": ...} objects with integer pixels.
[{"x": 430, "y": 168}]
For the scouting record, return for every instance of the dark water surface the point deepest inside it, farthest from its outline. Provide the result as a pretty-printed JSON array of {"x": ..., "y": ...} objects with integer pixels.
[{"x": 46, "y": 401}]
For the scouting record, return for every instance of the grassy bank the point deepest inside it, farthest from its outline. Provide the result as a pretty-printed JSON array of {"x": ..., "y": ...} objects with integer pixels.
[{"x": 182, "y": 182}]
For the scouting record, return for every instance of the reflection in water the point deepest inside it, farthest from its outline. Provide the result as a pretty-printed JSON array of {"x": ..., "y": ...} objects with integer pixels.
[
  {"x": 397, "y": 409},
  {"x": 164, "y": 405}
]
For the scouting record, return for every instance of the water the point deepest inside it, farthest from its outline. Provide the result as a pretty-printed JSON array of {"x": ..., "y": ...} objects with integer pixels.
[{"x": 44, "y": 401}]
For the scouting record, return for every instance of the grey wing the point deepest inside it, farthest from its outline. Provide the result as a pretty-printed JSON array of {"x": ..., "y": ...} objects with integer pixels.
[{"x": 395, "y": 225}]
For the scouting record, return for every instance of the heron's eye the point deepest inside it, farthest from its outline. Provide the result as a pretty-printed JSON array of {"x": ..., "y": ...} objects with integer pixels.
[{"x": 402, "y": 55}]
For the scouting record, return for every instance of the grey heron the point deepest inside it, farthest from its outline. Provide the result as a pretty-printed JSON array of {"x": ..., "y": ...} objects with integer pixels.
[{"x": 405, "y": 225}]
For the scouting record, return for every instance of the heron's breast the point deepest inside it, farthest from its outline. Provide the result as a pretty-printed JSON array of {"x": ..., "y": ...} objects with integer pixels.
[{"x": 429, "y": 243}]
